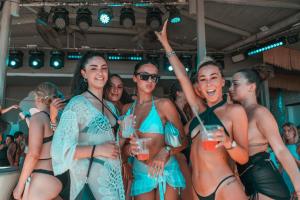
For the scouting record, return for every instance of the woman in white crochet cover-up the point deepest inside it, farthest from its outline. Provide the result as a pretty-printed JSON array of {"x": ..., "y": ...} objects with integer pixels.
[{"x": 86, "y": 122}]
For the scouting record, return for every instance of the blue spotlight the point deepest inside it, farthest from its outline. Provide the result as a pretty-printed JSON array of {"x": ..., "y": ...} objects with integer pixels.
[
  {"x": 57, "y": 60},
  {"x": 15, "y": 59},
  {"x": 174, "y": 15},
  {"x": 105, "y": 15},
  {"x": 36, "y": 59}
]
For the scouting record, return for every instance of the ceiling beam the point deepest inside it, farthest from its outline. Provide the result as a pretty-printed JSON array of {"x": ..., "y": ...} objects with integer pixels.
[
  {"x": 273, "y": 29},
  {"x": 219, "y": 25},
  {"x": 259, "y": 3}
]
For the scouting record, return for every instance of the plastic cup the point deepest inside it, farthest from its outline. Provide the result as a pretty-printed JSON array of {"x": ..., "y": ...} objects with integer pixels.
[
  {"x": 208, "y": 141},
  {"x": 143, "y": 149},
  {"x": 127, "y": 126}
]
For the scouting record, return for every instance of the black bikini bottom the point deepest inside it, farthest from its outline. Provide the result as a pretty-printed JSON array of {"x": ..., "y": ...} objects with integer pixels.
[
  {"x": 212, "y": 196},
  {"x": 259, "y": 175},
  {"x": 63, "y": 178}
]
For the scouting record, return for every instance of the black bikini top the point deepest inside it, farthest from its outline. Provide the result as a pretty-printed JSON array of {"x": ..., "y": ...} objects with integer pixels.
[
  {"x": 49, "y": 138},
  {"x": 208, "y": 117}
]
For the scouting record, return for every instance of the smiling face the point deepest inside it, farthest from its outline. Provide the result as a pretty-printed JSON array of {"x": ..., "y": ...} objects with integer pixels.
[
  {"x": 150, "y": 73},
  {"x": 240, "y": 88},
  {"x": 115, "y": 89},
  {"x": 210, "y": 83},
  {"x": 95, "y": 72}
]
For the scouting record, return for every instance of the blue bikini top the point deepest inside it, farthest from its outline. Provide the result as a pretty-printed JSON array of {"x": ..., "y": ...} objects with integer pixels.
[{"x": 152, "y": 123}]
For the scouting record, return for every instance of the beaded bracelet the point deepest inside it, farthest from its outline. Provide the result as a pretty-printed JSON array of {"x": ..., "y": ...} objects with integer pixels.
[
  {"x": 53, "y": 126},
  {"x": 170, "y": 54}
]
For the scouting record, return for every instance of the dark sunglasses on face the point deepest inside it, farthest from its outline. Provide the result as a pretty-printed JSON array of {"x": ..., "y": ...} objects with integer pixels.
[{"x": 145, "y": 77}]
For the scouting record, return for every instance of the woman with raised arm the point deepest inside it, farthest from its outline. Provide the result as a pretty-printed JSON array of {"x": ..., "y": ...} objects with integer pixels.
[
  {"x": 157, "y": 175},
  {"x": 86, "y": 126},
  {"x": 260, "y": 177},
  {"x": 212, "y": 174},
  {"x": 37, "y": 164}
]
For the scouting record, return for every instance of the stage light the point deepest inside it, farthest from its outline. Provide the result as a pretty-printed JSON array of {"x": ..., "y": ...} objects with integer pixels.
[
  {"x": 124, "y": 57},
  {"x": 36, "y": 59},
  {"x": 15, "y": 59},
  {"x": 170, "y": 68},
  {"x": 127, "y": 18},
  {"x": 105, "y": 15},
  {"x": 57, "y": 60},
  {"x": 153, "y": 18},
  {"x": 60, "y": 18},
  {"x": 267, "y": 46},
  {"x": 84, "y": 19},
  {"x": 174, "y": 15},
  {"x": 74, "y": 56}
]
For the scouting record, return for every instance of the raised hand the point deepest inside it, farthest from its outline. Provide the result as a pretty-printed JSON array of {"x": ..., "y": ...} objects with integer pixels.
[
  {"x": 56, "y": 105},
  {"x": 162, "y": 35}
]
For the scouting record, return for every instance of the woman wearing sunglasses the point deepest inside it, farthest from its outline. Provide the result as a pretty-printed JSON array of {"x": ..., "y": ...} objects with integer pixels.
[
  {"x": 212, "y": 173},
  {"x": 159, "y": 176}
]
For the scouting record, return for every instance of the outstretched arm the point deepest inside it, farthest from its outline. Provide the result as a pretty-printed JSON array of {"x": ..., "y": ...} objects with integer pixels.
[
  {"x": 179, "y": 69},
  {"x": 268, "y": 127},
  {"x": 5, "y": 110}
]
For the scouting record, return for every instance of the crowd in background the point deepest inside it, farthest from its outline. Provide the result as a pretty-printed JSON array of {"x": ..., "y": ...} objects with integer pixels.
[{"x": 66, "y": 135}]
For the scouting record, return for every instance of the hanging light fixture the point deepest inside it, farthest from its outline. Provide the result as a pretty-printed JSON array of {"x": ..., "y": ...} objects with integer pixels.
[{"x": 127, "y": 18}]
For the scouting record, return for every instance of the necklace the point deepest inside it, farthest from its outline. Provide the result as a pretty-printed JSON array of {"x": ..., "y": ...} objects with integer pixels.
[{"x": 144, "y": 102}]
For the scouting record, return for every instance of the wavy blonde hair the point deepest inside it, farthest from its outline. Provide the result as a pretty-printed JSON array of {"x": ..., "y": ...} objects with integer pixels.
[
  {"x": 46, "y": 91},
  {"x": 294, "y": 128}
]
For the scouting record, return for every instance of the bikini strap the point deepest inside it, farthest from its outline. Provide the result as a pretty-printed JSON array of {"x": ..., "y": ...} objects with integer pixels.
[
  {"x": 221, "y": 103},
  {"x": 45, "y": 113},
  {"x": 226, "y": 178}
]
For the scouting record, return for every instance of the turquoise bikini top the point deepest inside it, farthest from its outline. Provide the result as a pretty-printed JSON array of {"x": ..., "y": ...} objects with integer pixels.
[{"x": 152, "y": 123}]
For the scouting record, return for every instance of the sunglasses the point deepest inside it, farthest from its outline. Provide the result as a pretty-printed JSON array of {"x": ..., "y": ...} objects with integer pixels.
[{"x": 145, "y": 76}]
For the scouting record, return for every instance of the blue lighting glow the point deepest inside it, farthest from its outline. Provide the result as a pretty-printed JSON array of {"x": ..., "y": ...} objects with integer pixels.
[
  {"x": 104, "y": 18},
  {"x": 265, "y": 48},
  {"x": 175, "y": 20},
  {"x": 170, "y": 68},
  {"x": 13, "y": 63},
  {"x": 35, "y": 63}
]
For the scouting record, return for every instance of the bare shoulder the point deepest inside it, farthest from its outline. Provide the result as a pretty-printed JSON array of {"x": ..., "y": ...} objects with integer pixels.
[
  {"x": 39, "y": 117},
  {"x": 235, "y": 109},
  {"x": 261, "y": 112},
  {"x": 165, "y": 104}
]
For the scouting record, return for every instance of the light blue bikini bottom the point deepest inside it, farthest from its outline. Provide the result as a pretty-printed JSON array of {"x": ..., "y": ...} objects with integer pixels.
[{"x": 143, "y": 183}]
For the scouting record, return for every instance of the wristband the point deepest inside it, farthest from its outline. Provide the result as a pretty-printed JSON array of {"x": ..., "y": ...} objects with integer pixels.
[{"x": 170, "y": 54}]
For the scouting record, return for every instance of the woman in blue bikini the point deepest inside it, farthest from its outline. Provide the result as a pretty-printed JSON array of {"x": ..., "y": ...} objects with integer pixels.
[{"x": 158, "y": 177}]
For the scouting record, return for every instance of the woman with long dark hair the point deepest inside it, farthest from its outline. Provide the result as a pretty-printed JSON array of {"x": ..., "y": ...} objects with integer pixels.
[
  {"x": 212, "y": 173},
  {"x": 115, "y": 92},
  {"x": 157, "y": 175},
  {"x": 86, "y": 125},
  {"x": 259, "y": 176}
]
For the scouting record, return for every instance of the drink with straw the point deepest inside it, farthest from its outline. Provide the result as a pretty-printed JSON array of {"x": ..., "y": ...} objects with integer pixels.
[
  {"x": 208, "y": 141},
  {"x": 207, "y": 133}
]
